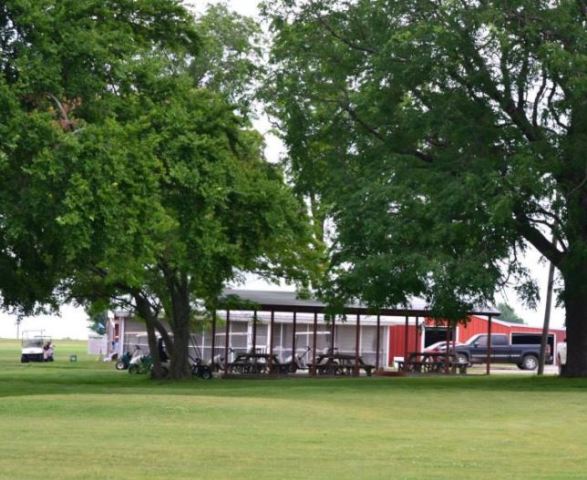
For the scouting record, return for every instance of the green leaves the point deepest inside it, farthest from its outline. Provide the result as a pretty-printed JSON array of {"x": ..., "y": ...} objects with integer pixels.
[
  {"x": 71, "y": 175},
  {"x": 433, "y": 133},
  {"x": 230, "y": 61}
]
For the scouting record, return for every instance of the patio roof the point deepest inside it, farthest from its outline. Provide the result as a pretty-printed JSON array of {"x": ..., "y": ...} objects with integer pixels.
[{"x": 281, "y": 301}]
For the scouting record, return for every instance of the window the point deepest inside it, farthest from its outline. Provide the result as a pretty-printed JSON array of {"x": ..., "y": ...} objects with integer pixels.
[{"x": 499, "y": 340}]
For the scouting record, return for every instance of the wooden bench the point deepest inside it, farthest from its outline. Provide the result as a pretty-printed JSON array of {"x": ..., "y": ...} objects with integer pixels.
[
  {"x": 340, "y": 364},
  {"x": 431, "y": 363}
]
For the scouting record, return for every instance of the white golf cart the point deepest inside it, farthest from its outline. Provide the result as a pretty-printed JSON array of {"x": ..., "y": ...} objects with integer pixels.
[{"x": 36, "y": 348}]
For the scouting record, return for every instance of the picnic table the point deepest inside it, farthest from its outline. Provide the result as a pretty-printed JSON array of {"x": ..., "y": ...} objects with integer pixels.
[
  {"x": 258, "y": 364},
  {"x": 432, "y": 362},
  {"x": 333, "y": 363}
]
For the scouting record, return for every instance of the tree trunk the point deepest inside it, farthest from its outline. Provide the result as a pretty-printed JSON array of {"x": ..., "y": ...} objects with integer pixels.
[
  {"x": 180, "y": 366},
  {"x": 146, "y": 313},
  {"x": 167, "y": 338},
  {"x": 574, "y": 266},
  {"x": 157, "y": 371},
  {"x": 575, "y": 298}
]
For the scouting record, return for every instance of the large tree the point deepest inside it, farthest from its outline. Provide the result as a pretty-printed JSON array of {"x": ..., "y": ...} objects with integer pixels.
[
  {"x": 450, "y": 136},
  {"x": 122, "y": 177},
  {"x": 218, "y": 209}
]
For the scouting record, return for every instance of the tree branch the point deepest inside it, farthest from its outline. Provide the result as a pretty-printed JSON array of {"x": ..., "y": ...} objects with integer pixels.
[
  {"x": 342, "y": 39},
  {"x": 416, "y": 153},
  {"x": 552, "y": 109},
  {"x": 353, "y": 114},
  {"x": 478, "y": 68},
  {"x": 538, "y": 240},
  {"x": 538, "y": 99}
]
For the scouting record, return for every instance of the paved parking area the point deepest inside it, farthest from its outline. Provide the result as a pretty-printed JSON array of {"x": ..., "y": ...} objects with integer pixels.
[{"x": 506, "y": 369}]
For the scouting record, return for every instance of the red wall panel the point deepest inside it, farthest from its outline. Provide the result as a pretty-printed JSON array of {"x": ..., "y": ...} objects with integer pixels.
[
  {"x": 397, "y": 340},
  {"x": 476, "y": 325}
]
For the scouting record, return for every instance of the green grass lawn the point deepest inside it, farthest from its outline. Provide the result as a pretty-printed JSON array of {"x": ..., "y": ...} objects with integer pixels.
[{"x": 85, "y": 420}]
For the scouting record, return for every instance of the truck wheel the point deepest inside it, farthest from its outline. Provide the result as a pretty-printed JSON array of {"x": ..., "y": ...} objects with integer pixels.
[
  {"x": 530, "y": 362},
  {"x": 24, "y": 359},
  {"x": 462, "y": 359}
]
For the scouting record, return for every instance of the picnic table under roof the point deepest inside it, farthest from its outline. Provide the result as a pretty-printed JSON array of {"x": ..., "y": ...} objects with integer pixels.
[{"x": 284, "y": 301}]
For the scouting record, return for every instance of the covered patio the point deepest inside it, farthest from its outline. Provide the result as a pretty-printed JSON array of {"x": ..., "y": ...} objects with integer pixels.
[{"x": 277, "y": 327}]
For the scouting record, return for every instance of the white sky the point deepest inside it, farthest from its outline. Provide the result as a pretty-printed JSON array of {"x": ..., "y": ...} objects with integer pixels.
[{"x": 73, "y": 321}]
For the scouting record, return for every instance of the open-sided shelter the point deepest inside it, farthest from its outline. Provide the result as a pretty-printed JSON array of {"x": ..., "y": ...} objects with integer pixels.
[{"x": 280, "y": 322}]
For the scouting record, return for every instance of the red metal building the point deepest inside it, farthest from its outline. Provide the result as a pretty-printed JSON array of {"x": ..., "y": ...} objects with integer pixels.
[{"x": 424, "y": 332}]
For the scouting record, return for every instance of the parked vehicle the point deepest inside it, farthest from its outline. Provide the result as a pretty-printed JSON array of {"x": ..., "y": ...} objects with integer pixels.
[
  {"x": 139, "y": 362},
  {"x": 202, "y": 370},
  {"x": 124, "y": 361},
  {"x": 438, "y": 347},
  {"x": 36, "y": 348},
  {"x": 504, "y": 349}
]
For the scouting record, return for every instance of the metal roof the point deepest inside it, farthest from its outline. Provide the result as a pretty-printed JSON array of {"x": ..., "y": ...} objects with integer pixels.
[{"x": 282, "y": 301}]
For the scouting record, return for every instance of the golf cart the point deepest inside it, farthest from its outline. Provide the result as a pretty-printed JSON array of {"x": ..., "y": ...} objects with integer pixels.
[{"x": 36, "y": 348}]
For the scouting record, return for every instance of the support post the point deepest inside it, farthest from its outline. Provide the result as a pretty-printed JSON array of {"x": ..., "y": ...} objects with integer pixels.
[
  {"x": 254, "y": 331},
  {"x": 454, "y": 347},
  {"x": 488, "y": 360},
  {"x": 203, "y": 342},
  {"x": 213, "y": 346},
  {"x": 546, "y": 325},
  {"x": 454, "y": 339},
  {"x": 272, "y": 321},
  {"x": 293, "y": 337},
  {"x": 332, "y": 331},
  {"x": 447, "y": 349},
  {"x": 406, "y": 340},
  {"x": 378, "y": 342},
  {"x": 357, "y": 345},
  {"x": 227, "y": 336},
  {"x": 313, "y": 370},
  {"x": 416, "y": 335}
]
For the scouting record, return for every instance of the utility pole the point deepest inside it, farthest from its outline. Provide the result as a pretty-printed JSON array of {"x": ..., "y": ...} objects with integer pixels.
[{"x": 546, "y": 326}]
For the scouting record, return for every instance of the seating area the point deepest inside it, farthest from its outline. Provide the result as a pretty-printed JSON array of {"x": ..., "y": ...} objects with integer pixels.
[
  {"x": 260, "y": 364},
  {"x": 333, "y": 363},
  {"x": 432, "y": 363},
  {"x": 328, "y": 363}
]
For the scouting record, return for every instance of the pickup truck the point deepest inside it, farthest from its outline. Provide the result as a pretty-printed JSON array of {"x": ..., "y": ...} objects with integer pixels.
[{"x": 504, "y": 349}]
